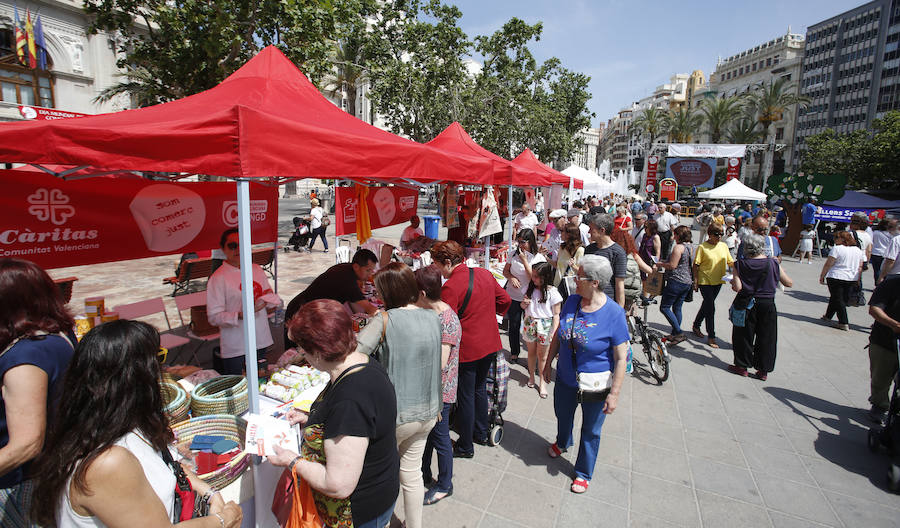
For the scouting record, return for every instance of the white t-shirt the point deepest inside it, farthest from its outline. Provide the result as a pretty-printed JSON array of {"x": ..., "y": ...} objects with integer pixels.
[
  {"x": 666, "y": 222},
  {"x": 880, "y": 242},
  {"x": 517, "y": 270},
  {"x": 847, "y": 260},
  {"x": 543, "y": 310},
  {"x": 316, "y": 213},
  {"x": 158, "y": 474},
  {"x": 223, "y": 304},
  {"x": 865, "y": 239},
  {"x": 893, "y": 253},
  {"x": 529, "y": 221}
]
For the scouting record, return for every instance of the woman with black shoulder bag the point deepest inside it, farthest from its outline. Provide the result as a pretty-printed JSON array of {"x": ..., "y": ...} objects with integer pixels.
[{"x": 592, "y": 346}]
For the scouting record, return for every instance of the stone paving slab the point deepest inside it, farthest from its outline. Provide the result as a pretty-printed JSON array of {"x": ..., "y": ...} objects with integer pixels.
[{"x": 706, "y": 448}]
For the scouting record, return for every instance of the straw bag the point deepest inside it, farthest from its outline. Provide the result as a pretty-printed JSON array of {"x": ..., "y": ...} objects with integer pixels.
[
  {"x": 222, "y": 395},
  {"x": 230, "y": 427}
]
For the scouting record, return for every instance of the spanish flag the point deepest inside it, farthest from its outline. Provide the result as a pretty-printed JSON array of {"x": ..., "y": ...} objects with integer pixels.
[
  {"x": 29, "y": 33},
  {"x": 20, "y": 37}
]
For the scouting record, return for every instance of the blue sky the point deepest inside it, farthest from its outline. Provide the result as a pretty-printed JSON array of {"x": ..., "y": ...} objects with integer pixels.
[{"x": 628, "y": 47}]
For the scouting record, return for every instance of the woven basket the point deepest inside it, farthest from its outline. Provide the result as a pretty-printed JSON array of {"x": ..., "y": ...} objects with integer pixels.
[
  {"x": 177, "y": 400},
  {"x": 226, "y": 425},
  {"x": 222, "y": 395}
]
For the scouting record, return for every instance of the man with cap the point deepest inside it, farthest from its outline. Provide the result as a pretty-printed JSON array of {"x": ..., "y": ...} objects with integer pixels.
[
  {"x": 574, "y": 216},
  {"x": 553, "y": 234}
]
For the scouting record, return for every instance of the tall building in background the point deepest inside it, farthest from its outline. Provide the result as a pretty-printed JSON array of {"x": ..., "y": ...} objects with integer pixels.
[
  {"x": 586, "y": 155},
  {"x": 78, "y": 66},
  {"x": 778, "y": 58},
  {"x": 851, "y": 70},
  {"x": 617, "y": 143}
]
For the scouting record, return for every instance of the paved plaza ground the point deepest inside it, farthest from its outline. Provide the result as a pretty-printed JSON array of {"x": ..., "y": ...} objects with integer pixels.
[{"x": 707, "y": 448}]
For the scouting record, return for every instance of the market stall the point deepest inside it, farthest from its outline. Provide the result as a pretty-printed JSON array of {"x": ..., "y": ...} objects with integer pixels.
[
  {"x": 733, "y": 190},
  {"x": 227, "y": 131}
]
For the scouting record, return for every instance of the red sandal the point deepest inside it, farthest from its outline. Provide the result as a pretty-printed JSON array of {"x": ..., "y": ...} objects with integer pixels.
[
  {"x": 579, "y": 483},
  {"x": 554, "y": 451}
]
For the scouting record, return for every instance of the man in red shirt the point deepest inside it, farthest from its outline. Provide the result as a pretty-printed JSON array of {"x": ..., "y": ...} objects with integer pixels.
[{"x": 480, "y": 338}]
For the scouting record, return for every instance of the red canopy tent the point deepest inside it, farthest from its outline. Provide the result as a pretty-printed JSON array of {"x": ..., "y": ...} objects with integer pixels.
[
  {"x": 528, "y": 160},
  {"x": 265, "y": 120},
  {"x": 455, "y": 139}
]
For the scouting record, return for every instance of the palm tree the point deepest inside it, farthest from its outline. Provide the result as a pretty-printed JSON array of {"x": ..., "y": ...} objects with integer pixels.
[
  {"x": 745, "y": 130},
  {"x": 719, "y": 115},
  {"x": 683, "y": 124},
  {"x": 348, "y": 58},
  {"x": 652, "y": 124},
  {"x": 770, "y": 102}
]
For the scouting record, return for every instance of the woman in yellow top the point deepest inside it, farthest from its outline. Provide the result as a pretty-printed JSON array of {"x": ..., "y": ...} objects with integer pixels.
[
  {"x": 717, "y": 216},
  {"x": 710, "y": 265},
  {"x": 570, "y": 253}
]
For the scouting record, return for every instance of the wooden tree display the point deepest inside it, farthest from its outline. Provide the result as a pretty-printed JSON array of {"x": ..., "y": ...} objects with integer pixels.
[{"x": 795, "y": 190}]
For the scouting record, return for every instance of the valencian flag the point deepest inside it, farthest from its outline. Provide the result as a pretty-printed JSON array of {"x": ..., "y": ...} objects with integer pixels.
[
  {"x": 20, "y": 37},
  {"x": 32, "y": 49}
]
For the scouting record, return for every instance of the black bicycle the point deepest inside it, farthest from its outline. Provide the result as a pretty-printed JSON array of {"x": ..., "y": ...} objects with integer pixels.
[{"x": 651, "y": 340}]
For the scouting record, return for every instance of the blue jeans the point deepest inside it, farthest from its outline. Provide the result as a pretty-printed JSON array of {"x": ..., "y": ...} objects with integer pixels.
[
  {"x": 439, "y": 440},
  {"x": 672, "y": 299},
  {"x": 318, "y": 232},
  {"x": 471, "y": 402},
  {"x": 514, "y": 314},
  {"x": 592, "y": 417},
  {"x": 381, "y": 521}
]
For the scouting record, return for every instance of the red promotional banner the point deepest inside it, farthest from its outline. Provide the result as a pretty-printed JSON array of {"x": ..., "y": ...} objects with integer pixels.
[
  {"x": 57, "y": 223},
  {"x": 652, "y": 162},
  {"x": 40, "y": 113},
  {"x": 387, "y": 206},
  {"x": 734, "y": 169},
  {"x": 668, "y": 189}
]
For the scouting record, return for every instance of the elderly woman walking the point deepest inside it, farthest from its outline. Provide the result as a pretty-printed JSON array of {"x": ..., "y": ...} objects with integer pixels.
[
  {"x": 754, "y": 316},
  {"x": 841, "y": 272},
  {"x": 592, "y": 345}
]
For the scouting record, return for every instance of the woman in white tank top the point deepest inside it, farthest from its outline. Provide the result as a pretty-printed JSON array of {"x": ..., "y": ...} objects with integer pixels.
[{"x": 101, "y": 465}]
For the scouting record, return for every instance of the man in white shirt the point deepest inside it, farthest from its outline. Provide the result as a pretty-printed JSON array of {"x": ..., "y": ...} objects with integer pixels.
[
  {"x": 665, "y": 223},
  {"x": 574, "y": 216},
  {"x": 637, "y": 232},
  {"x": 891, "y": 263},
  {"x": 526, "y": 220}
]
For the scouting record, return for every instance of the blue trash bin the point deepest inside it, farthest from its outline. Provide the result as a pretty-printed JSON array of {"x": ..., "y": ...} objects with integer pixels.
[{"x": 432, "y": 224}]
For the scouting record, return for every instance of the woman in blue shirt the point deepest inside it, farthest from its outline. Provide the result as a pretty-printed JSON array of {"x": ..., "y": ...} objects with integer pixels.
[{"x": 592, "y": 344}]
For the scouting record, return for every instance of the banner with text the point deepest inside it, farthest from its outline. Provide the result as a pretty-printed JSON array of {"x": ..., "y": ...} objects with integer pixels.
[
  {"x": 690, "y": 172},
  {"x": 387, "y": 206},
  {"x": 57, "y": 223},
  {"x": 827, "y": 213},
  {"x": 734, "y": 169},
  {"x": 695, "y": 150},
  {"x": 40, "y": 113},
  {"x": 652, "y": 163}
]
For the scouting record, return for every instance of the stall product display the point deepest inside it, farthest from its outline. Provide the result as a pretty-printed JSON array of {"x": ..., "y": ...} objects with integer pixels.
[
  {"x": 177, "y": 401},
  {"x": 295, "y": 384},
  {"x": 224, "y": 427},
  {"x": 225, "y": 394}
]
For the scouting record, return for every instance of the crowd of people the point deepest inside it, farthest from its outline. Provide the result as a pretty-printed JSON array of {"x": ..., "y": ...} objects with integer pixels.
[{"x": 85, "y": 442}]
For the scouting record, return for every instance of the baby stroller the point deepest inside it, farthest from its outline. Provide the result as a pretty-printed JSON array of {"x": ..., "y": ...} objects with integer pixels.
[
  {"x": 888, "y": 436},
  {"x": 496, "y": 385},
  {"x": 300, "y": 236}
]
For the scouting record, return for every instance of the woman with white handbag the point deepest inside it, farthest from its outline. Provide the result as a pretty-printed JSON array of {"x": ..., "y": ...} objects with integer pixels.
[{"x": 592, "y": 345}]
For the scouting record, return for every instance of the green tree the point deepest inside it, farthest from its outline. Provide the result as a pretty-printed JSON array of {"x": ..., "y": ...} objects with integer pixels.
[
  {"x": 769, "y": 102},
  {"x": 885, "y": 151},
  {"x": 417, "y": 67},
  {"x": 719, "y": 114},
  {"x": 683, "y": 124},
  {"x": 794, "y": 190},
  {"x": 832, "y": 153},
  {"x": 170, "y": 50},
  {"x": 650, "y": 123}
]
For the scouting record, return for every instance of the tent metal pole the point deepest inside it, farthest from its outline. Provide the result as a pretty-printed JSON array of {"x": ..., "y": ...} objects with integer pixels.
[
  {"x": 571, "y": 190},
  {"x": 249, "y": 323},
  {"x": 334, "y": 201},
  {"x": 275, "y": 260},
  {"x": 509, "y": 216}
]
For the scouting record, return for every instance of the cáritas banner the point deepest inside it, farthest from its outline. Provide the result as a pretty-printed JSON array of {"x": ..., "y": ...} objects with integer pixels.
[
  {"x": 57, "y": 223},
  {"x": 387, "y": 206}
]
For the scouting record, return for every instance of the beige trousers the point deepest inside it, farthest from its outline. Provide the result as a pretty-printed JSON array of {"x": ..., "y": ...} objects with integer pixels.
[{"x": 411, "y": 438}]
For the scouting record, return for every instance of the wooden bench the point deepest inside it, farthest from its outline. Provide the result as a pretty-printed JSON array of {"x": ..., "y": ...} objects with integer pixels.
[
  {"x": 65, "y": 287},
  {"x": 191, "y": 269},
  {"x": 202, "y": 268}
]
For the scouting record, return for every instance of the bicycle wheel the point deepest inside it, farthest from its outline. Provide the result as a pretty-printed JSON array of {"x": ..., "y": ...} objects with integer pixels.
[{"x": 656, "y": 351}]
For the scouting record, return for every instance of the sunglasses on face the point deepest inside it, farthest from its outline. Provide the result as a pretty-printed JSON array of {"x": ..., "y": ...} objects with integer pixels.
[
  {"x": 232, "y": 245},
  {"x": 716, "y": 233}
]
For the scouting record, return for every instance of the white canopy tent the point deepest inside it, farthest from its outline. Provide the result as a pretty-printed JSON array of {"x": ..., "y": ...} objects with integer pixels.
[
  {"x": 733, "y": 190},
  {"x": 594, "y": 185}
]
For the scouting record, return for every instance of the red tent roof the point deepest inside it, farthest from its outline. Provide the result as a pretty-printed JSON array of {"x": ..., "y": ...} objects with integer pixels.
[
  {"x": 454, "y": 138},
  {"x": 265, "y": 120},
  {"x": 528, "y": 160}
]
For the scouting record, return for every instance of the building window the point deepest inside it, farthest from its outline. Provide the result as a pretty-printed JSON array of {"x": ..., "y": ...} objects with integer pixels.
[
  {"x": 769, "y": 61},
  {"x": 18, "y": 84},
  {"x": 722, "y": 78}
]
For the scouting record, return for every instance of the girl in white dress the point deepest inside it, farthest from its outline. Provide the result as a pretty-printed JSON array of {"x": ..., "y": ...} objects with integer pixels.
[{"x": 806, "y": 243}]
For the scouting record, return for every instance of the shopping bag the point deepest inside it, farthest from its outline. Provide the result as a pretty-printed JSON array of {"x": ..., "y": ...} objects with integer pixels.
[
  {"x": 654, "y": 283},
  {"x": 293, "y": 503}
]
